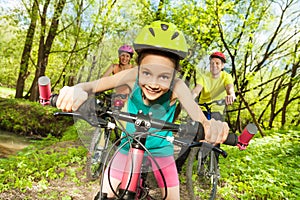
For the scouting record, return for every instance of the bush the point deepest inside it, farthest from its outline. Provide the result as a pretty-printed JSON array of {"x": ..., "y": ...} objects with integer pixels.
[{"x": 31, "y": 118}]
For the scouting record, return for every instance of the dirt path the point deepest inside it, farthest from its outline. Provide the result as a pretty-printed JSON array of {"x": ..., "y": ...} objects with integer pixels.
[{"x": 64, "y": 189}]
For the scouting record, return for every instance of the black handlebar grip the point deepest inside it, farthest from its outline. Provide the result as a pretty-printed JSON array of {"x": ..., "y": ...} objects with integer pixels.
[
  {"x": 53, "y": 99},
  {"x": 232, "y": 139},
  {"x": 87, "y": 107}
]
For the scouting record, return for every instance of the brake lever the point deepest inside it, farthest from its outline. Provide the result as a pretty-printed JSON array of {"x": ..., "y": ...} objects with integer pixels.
[{"x": 209, "y": 146}]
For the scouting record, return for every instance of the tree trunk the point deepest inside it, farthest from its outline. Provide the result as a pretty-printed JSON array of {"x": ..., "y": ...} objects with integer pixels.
[
  {"x": 44, "y": 48},
  {"x": 286, "y": 102},
  {"x": 252, "y": 114},
  {"x": 23, "y": 74}
]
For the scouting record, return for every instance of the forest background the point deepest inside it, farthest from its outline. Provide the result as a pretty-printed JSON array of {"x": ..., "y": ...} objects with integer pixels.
[{"x": 75, "y": 41}]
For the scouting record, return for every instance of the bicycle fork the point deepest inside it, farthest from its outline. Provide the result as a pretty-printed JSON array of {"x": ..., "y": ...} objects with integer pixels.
[{"x": 212, "y": 170}]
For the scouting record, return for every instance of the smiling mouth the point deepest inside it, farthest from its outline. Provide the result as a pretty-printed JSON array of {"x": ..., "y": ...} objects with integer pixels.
[{"x": 151, "y": 91}]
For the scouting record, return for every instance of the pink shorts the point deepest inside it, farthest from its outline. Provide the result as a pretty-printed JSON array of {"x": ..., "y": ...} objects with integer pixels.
[{"x": 166, "y": 164}]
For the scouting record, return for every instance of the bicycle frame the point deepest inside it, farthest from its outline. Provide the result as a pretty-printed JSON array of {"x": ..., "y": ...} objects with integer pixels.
[{"x": 208, "y": 108}]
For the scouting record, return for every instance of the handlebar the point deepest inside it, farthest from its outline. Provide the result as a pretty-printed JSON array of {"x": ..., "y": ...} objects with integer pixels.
[
  {"x": 219, "y": 102},
  {"x": 141, "y": 120}
]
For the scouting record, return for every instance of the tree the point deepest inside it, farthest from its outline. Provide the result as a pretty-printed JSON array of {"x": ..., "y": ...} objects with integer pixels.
[
  {"x": 45, "y": 44},
  {"x": 23, "y": 74},
  {"x": 252, "y": 53}
]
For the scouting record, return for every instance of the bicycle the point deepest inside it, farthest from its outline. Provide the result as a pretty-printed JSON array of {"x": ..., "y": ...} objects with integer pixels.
[
  {"x": 96, "y": 144},
  {"x": 134, "y": 184},
  {"x": 203, "y": 163},
  {"x": 202, "y": 170}
]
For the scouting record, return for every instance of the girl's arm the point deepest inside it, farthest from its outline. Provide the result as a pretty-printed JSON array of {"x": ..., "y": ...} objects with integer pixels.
[
  {"x": 215, "y": 131},
  {"x": 125, "y": 77},
  {"x": 196, "y": 91},
  {"x": 70, "y": 98},
  {"x": 185, "y": 97}
]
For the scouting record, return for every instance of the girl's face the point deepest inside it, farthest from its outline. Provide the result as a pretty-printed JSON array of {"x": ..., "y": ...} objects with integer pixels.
[
  {"x": 216, "y": 66},
  {"x": 124, "y": 58},
  {"x": 155, "y": 75}
]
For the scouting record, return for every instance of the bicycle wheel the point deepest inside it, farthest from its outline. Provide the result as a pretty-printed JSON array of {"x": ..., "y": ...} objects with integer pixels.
[
  {"x": 96, "y": 154},
  {"x": 202, "y": 174}
]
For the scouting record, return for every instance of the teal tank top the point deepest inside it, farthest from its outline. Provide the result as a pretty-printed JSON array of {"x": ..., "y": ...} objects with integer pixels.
[{"x": 160, "y": 109}]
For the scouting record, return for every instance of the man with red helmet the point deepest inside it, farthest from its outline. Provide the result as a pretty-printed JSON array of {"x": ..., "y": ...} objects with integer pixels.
[{"x": 215, "y": 85}]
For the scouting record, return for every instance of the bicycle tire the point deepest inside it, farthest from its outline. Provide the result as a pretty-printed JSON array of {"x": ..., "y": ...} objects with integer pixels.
[
  {"x": 202, "y": 175},
  {"x": 95, "y": 156}
]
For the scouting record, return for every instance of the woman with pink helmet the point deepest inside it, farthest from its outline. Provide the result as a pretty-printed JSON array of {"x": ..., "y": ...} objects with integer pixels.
[{"x": 125, "y": 54}]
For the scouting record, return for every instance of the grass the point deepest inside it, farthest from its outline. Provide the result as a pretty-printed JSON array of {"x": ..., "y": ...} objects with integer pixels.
[{"x": 268, "y": 169}]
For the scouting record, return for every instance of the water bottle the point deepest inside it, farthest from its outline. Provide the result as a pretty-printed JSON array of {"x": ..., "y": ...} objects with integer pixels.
[{"x": 248, "y": 133}]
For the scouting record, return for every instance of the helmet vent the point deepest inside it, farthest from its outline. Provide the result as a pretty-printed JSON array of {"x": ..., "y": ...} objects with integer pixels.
[
  {"x": 164, "y": 27},
  {"x": 152, "y": 32},
  {"x": 175, "y": 35}
]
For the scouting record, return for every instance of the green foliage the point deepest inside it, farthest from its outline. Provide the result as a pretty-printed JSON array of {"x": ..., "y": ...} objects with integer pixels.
[
  {"x": 268, "y": 169},
  {"x": 40, "y": 163},
  {"x": 31, "y": 118},
  {"x": 69, "y": 134},
  {"x": 12, "y": 36}
]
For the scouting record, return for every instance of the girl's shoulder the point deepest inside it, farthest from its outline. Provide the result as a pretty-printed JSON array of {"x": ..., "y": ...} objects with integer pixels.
[{"x": 177, "y": 90}]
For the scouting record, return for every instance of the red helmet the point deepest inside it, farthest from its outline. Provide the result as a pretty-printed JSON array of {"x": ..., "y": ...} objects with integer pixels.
[
  {"x": 219, "y": 55},
  {"x": 126, "y": 48}
]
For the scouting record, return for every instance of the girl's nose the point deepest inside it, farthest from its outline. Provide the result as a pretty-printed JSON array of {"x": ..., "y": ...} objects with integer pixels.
[{"x": 153, "y": 86}]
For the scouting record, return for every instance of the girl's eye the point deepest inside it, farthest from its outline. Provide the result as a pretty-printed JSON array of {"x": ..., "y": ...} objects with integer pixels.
[
  {"x": 164, "y": 77},
  {"x": 146, "y": 73}
]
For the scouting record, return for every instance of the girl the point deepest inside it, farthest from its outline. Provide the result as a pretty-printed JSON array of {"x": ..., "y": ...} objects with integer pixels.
[{"x": 160, "y": 46}]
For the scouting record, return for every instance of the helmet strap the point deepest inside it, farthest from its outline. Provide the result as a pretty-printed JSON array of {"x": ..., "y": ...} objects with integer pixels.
[{"x": 172, "y": 81}]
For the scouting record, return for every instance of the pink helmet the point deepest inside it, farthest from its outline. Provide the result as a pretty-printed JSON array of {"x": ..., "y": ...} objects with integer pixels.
[
  {"x": 126, "y": 48},
  {"x": 219, "y": 55}
]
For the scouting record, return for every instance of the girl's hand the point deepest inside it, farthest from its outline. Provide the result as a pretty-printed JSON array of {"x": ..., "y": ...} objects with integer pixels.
[
  {"x": 216, "y": 132},
  {"x": 71, "y": 98}
]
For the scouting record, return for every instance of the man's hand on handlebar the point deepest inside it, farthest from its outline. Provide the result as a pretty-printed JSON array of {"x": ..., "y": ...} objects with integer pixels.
[
  {"x": 229, "y": 99},
  {"x": 71, "y": 98},
  {"x": 216, "y": 132}
]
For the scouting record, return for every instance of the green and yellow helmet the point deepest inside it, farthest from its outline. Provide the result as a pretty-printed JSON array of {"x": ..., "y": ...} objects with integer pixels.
[{"x": 162, "y": 36}]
